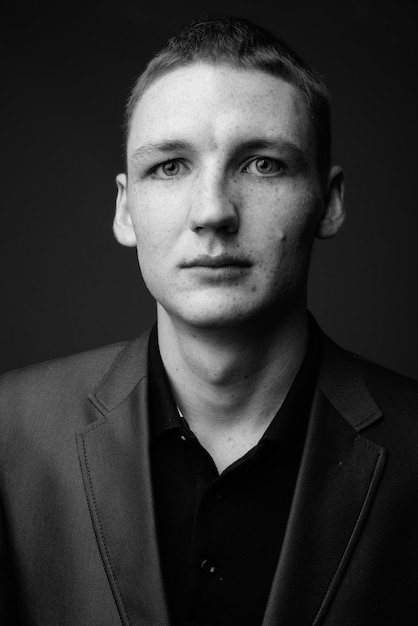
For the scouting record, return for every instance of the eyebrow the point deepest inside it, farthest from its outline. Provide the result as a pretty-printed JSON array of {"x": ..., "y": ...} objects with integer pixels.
[
  {"x": 245, "y": 145},
  {"x": 156, "y": 147},
  {"x": 277, "y": 143}
]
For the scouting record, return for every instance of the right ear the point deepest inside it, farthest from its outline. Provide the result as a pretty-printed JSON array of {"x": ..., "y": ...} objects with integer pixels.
[{"x": 123, "y": 227}]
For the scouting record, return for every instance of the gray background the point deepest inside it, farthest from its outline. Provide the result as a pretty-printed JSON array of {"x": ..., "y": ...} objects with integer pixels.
[{"x": 67, "y": 286}]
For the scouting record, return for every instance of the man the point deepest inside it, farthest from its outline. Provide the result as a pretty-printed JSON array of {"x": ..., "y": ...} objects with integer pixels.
[{"x": 233, "y": 466}]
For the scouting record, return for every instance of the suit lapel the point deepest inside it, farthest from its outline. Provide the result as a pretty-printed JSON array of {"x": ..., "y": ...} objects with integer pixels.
[
  {"x": 114, "y": 460},
  {"x": 337, "y": 481}
]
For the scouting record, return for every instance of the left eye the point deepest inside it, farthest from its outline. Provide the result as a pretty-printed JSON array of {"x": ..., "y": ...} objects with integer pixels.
[
  {"x": 169, "y": 169},
  {"x": 263, "y": 166}
]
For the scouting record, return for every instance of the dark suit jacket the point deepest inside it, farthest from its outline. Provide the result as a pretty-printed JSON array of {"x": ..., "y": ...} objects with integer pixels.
[{"x": 78, "y": 542}]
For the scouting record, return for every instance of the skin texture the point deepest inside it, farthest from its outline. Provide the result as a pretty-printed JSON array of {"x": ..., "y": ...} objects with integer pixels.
[
  {"x": 223, "y": 199},
  {"x": 214, "y": 198}
]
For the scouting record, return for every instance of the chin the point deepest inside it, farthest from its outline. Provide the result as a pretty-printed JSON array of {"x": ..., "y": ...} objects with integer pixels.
[
  {"x": 208, "y": 314},
  {"x": 218, "y": 320},
  {"x": 212, "y": 315},
  {"x": 217, "y": 310}
]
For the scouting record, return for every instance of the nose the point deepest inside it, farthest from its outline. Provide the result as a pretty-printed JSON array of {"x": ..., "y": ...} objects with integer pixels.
[{"x": 212, "y": 205}]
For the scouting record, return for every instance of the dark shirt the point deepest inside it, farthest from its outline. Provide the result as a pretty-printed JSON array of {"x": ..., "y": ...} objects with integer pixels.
[{"x": 220, "y": 535}]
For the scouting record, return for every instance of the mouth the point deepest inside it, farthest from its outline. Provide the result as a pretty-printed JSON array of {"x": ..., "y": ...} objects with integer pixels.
[{"x": 216, "y": 262}]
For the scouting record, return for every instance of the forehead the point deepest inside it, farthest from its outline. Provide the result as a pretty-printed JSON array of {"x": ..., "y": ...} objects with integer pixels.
[{"x": 220, "y": 104}]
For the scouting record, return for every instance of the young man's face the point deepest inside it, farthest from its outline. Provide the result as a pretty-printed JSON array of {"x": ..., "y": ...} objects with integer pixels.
[{"x": 223, "y": 197}]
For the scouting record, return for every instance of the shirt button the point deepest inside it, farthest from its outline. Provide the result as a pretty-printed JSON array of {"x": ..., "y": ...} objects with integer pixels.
[
  {"x": 208, "y": 568},
  {"x": 182, "y": 437}
]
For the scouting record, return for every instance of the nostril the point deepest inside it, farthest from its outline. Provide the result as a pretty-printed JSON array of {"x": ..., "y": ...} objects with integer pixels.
[
  {"x": 214, "y": 218},
  {"x": 225, "y": 225}
]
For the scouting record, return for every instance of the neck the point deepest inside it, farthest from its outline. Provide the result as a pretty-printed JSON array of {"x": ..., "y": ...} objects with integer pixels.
[{"x": 231, "y": 380}]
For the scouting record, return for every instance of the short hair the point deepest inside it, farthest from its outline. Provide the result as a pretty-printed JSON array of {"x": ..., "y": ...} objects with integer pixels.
[{"x": 240, "y": 44}]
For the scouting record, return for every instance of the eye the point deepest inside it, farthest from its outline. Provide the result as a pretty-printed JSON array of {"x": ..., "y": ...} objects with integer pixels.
[
  {"x": 169, "y": 169},
  {"x": 263, "y": 166}
]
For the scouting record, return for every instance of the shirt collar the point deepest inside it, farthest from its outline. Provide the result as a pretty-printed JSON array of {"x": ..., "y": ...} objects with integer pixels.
[
  {"x": 163, "y": 410},
  {"x": 289, "y": 424}
]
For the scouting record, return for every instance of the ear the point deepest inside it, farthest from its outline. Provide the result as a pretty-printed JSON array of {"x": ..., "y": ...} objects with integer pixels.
[
  {"x": 333, "y": 214},
  {"x": 122, "y": 224}
]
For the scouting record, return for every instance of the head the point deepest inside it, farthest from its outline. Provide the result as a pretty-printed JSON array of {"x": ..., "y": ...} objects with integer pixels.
[
  {"x": 228, "y": 176},
  {"x": 240, "y": 44}
]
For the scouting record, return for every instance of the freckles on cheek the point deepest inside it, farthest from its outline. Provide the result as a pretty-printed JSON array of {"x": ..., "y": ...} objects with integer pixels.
[
  {"x": 277, "y": 237},
  {"x": 157, "y": 215},
  {"x": 145, "y": 217}
]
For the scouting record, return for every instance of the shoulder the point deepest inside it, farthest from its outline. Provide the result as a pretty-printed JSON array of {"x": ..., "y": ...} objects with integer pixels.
[
  {"x": 348, "y": 373},
  {"x": 397, "y": 397},
  {"x": 378, "y": 402},
  {"x": 82, "y": 370},
  {"x": 389, "y": 388},
  {"x": 61, "y": 387},
  {"x": 42, "y": 406}
]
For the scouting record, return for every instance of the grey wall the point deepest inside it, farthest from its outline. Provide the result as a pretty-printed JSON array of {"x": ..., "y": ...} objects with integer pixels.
[{"x": 67, "y": 286}]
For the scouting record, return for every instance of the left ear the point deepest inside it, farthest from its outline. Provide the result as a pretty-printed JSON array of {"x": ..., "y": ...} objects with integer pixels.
[
  {"x": 333, "y": 214},
  {"x": 123, "y": 227}
]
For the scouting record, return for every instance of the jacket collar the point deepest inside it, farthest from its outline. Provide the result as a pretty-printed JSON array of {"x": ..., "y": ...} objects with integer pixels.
[
  {"x": 341, "y": 379},
  {"x": 114, "y": 461},
  {"x": 323, "y": 526},
  {"x": 126, "y": 371},
  {"x": 337, "y": 483}
]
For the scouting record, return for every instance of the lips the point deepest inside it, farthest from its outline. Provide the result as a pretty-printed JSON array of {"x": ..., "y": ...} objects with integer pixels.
[{"x": 221, "y": 260}]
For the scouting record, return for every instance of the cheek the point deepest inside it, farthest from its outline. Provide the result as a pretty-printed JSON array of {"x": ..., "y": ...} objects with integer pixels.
[
  {"x": 155, "y": 242},
  {"x": 284, "y": 235},
  {"x": 156, "y": 216},
  {"x": 299, "y": 219},
  {"x": 285, "y": 230},
  {"x": 148, "y": 222}
]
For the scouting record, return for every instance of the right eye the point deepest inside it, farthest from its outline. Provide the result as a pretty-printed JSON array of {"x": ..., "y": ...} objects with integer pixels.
[{"x": 169, "y": 169}]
